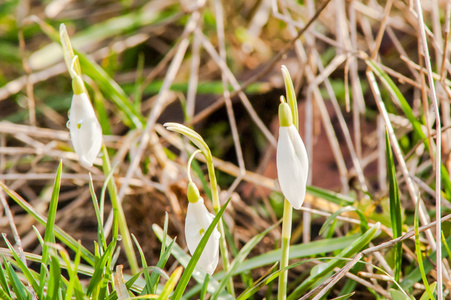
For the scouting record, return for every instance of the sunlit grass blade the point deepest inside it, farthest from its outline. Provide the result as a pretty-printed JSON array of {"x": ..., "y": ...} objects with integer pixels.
[
  {"x": 398, "y": 295},
  {"x": 244, "y": 252},
  {"x": 170, "y": 284},
  {"x": 19, "y": 288},
  {"x": 340, "y": 199},
  {"x": 395, "y": 208},
  {"x": 155, "y": 277},
  {"x": 203, "y": 291},
  {"x": 344, "y": 297},
  {"x": 394, "y": 90},
  {"x": 348, "y": 252},
  {"x": 193, "y": 261},
  {"x": 258, "y": 284},
  {"x": 4, "y": 283},
  {"x": 100, "y": 232},
  {"x": 426, "y": 295},
  {"x": 332, "y": 217},
  {"x": 419, "y": 253},
  {"x": 99, "y": 268},
  {"x": 30, "y": 278},
  {"x": 59, "y": 233},
  {"x": 53, "y": 289},
  {"x": 74, "y": 285},
  {"x": 4, "y": 295}
]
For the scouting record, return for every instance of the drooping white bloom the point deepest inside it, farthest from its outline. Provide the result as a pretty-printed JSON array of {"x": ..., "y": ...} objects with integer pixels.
[
  {"x": 292, "y": 162},
  {"x": 197, "y": 221},
  {"x": 85, "y": 130}
]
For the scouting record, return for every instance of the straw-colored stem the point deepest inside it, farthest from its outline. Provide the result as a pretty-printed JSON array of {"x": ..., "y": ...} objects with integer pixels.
[
  {"x": 117, "y": 207},
  {"x": 285, "y": 245}
]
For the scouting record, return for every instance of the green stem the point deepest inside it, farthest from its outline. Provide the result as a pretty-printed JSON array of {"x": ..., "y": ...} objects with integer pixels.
[
  {"x": 216, "y": 208},
  {"x": 285, "y": 245},
  {"x": 117, "y": 207}
]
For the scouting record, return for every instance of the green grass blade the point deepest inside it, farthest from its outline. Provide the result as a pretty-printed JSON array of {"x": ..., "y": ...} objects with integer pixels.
[
  {"x": 100, "y": 232},
  {"x": 395, "y": 208},
  {"x": 4, "y": 282},
  {"x": 337, "y": 198},
  {"x": 193, "y": 261},
  {"x": 244, "y": 252},
  {"x": 419, "y": 254},
  {"x": 170, "y": 284},
  {"x": 4, "y": 295},
  {"x": 59, "y": 233},
  {"x": 18, "y": 287},
  {"x": 393, "y": 89},
  {"x": 54, "y": 279},
  {"x": 143, "y": 264},
  {"x": 348, "y": 252},
  {"x": 426, "y": 295},
  {"x": 155, "y": 277},
  {"x": 99, "y": 268},
  {"x": 30, "y": 278},
  {"x": 49, "y": 235},
  {"x": 203, "y": 291}
]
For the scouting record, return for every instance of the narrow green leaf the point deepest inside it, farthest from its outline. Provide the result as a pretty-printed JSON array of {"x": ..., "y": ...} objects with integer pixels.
[
  {"x": 340, "y": 199},
  {"x": 59, "y": 233},
  {"x": 54, "y": 279},
  {"x": 49, "y": 235},
  {"x": 395, "y": 208},
  {"x": 344, "y": 297},
  {"x": 348, "y": 252},
  {"x": 419, "y": 254},
  {"x": 426, "y": 295},
  {"x": 100, "y": 268},
  {"x": 203, "y": 291},
  {"x": 155, "y": 277},
  {"x": 244, "y": 252},
  {"x": 100, "y": 233},
  {"x": 4, "y": 281},
  {"x": 398, "y": 295},
  {"x": 31, "y": 280},
  {"x": 170, "y": 284},
  {"x": 18, "y": 287},
  {"x": 143, "y": 264}
]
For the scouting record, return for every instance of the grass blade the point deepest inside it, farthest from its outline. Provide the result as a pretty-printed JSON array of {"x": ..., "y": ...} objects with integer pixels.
[{"x": 395, "y": 208}]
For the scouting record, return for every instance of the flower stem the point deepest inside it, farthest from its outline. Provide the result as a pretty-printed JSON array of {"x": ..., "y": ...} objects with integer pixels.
[
  {"x": 117, "y": 208},
  {"x": 216, "y": 208},
  {"x": 285, "y": 245}
]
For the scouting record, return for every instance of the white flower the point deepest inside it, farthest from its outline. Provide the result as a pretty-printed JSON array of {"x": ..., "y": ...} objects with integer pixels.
[
  {"x": 197, "y": 221},
  {"x": 85, "y": 130},
  {"x": 292, "y": 165}
]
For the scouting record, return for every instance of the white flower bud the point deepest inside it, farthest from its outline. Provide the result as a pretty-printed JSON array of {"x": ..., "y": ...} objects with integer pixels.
[
  {"x": 292, "y": 165},
  {"x": 85, "y": 130},
  {"x": 197, "y": 221}
]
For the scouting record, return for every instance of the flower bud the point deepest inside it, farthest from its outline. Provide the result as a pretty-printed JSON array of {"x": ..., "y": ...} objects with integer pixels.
[
  {"x": 292, "y": 159},
  {"x": 197, "y": 221},
  {"x": 85, "y": 130}
]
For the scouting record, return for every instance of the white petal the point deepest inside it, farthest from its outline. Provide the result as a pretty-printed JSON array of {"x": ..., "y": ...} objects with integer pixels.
[
  {"x": 197, "y": 221},
  {"x": 85, "y": 130},
  {"x": 292, "y": 165}
]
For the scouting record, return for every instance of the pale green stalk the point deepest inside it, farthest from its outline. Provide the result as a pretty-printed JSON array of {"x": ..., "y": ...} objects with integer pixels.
[
  {"x": 287, "y": 208},
  {"x": 117, "y": 208},
  {"x": 200, "y": 143}
]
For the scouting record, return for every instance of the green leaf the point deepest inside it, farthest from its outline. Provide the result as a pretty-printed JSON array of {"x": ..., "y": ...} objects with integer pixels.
[
  {"x": 348, "y": 252},
  {"x": 54, "y": 279},
  {"x": 244, "y": 252},
  {"x": 18, "y": 287},
  {"x": 31, "y": 280},
  {"x": 330, "y": 196},
  {"x": 99, "y": 268},
  {"x": 395, "y": 208},
  {"x": 398, "y": 295},
  {"x": 170, "y": 284},
  {"x": 59, "y": 233}
]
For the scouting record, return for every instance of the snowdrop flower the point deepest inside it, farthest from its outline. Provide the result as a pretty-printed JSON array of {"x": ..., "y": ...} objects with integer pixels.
[
  {"x": 292, "y": 160},
  {"x": 85, "y": 130},
  {"x": 197, "y": 221}
]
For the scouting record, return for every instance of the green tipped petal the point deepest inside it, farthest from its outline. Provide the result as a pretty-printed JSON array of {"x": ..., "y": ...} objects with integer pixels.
[
  {"x": 193, "y": 193},
  {"x": 285, "y": 117}
]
